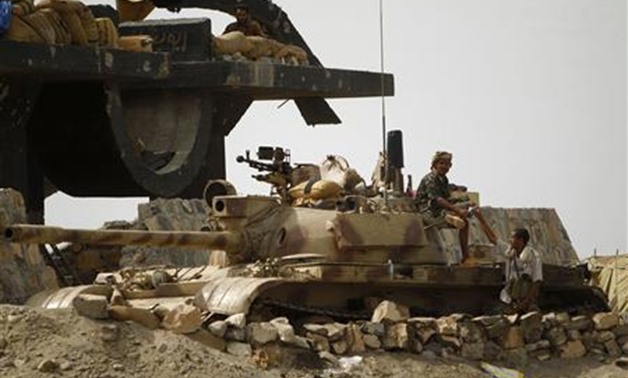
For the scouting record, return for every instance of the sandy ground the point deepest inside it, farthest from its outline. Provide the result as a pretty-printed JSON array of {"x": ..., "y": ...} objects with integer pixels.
[{"x": 38, "y": 343}]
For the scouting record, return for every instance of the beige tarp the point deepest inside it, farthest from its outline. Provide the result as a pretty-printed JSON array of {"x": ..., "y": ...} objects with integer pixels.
[{"x": 610, "y": 273}]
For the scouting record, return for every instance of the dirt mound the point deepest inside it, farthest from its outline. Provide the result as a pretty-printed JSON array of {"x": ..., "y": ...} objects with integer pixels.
[{"x": 37, "y": 342}]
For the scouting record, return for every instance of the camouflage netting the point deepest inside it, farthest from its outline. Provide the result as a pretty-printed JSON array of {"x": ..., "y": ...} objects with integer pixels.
[
  {"x": 22, "y": 269},
  {"x": 172, "y": 214},
  {"x": 547, "y": 235}
]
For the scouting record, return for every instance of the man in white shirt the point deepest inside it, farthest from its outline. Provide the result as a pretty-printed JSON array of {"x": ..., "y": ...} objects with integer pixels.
[{"x": 524, "y": 267}]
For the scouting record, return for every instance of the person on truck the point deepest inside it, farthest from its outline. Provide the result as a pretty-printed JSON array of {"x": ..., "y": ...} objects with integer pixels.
[
  {"x": 436, "y": 203},
  {"x": 244, "y": 23},
  {"x": 524, "y": 268}
]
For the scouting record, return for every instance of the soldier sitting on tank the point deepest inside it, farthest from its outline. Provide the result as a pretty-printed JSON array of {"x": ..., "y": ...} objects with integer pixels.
[
  {"x": 244, "y": 23},
  {"x": 439, "y": 207},
  {"x": 524, "y": 268}
]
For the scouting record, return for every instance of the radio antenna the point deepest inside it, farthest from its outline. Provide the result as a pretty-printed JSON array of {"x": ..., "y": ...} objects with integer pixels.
[{"x": 383, "y": 98}]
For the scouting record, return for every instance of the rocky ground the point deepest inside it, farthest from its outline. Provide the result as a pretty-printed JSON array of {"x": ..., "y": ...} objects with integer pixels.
[{"x": 43, "y": 343}]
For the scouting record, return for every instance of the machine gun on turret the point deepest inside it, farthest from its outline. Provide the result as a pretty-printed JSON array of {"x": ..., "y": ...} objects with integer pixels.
[{"x": 279, "y": 169}]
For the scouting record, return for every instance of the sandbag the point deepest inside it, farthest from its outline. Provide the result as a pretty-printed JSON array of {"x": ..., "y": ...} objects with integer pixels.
[
  {"x": 134, "y": 10},
  {"x": 21, "y": 31},
  {"x": 231, "y": 43},
  {"x": 39, "y": 22},
  {"x": 107, "y": 33},
  {"x": 261, "y": 47},
  {"x": 336, "y": 168},
  {"x": 316, "y": 190},
  {"x": 89, "y": 24},
  {"x": 70, "y": 12},
  {"x": 22, "y": 7},
  {"x": 62, "y": 34},
  {"x": 139, "y": 43},
  {"x": 304, "y": 172},
  {"x": 293, "y": 54}
]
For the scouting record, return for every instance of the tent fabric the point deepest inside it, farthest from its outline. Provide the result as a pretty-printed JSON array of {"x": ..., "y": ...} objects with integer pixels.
[{"x": 610, "y": 273}]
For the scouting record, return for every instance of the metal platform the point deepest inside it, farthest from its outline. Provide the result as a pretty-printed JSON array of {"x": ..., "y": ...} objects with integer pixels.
[
  {"x": 119, "y": 111},
  {"x": 260, "y": 80}
]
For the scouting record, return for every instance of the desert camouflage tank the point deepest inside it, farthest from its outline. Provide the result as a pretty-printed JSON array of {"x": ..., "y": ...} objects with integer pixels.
[{"x": 325, "y": 242}]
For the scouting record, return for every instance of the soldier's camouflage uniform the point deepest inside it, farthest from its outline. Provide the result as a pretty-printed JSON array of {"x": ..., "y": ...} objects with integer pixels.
[{"x": 431, "y": 187}]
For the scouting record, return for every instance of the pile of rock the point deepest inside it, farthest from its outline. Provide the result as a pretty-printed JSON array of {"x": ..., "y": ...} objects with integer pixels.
[
  {"x": 22, "y": 269},
  {"x": 514, "y": 340},
  {"x": 490, "y": 338}
]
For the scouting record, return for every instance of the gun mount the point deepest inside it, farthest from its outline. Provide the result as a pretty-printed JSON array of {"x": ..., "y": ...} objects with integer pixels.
[
  {"x": 93, "y": 121},
  {"x": 279, "y": 168}
]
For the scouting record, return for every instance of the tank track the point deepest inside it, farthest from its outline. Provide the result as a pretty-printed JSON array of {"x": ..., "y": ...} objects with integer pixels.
[{"x": 334, "y": 313}]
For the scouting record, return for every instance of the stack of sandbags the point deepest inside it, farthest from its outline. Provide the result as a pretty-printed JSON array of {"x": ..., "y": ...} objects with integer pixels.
[
  {"x": 138, "y": 43},
  {"x": 28, "y": 25},
  {"x": 256, "y": 47},
  {"x": 261, "y": 47},
  {"x": 266, "y": 47},
  {"x": 292, "y": 54},
  {"x": 60, "y": 22},
  {"x": 232, "y": 43},
  {"x": 107, "y": 33},
  {"x": 77, "y": 17}
]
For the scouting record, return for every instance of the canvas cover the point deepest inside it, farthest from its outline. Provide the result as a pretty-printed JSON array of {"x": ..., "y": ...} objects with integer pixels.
[{"x": 610, "y": 273}]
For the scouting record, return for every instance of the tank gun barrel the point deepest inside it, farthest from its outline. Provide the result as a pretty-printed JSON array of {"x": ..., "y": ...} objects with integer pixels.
[{"x": 229, "y": 241}]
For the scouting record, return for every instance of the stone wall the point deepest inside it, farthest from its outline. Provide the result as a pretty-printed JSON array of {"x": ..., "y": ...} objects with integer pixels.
[
  {"x": 22, "y": 269},
  {"x": 547, "y": 235},
  {"x": 507, "y": 340}
]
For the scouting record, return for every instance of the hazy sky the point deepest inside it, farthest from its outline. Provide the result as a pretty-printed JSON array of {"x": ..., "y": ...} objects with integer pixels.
[{"x": 529, "y": 95}]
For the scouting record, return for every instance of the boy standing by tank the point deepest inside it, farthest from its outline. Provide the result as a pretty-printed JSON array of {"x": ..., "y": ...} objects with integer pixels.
[{"x": 524, "y": 268}]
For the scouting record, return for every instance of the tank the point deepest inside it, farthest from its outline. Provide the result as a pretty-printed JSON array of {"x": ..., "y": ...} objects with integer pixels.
[{"x": 318, "y": 244}]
